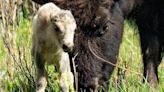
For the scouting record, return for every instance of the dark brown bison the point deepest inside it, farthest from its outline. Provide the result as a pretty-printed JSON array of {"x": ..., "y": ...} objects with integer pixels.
[{"x": 100, "y": 27}]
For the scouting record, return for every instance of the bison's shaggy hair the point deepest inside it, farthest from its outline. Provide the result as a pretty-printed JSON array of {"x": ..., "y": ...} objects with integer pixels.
[{"x": 100, "y": 23}]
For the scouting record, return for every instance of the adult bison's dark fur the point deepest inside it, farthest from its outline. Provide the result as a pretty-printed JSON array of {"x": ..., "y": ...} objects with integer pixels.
[{"x": 100, "y": 23}]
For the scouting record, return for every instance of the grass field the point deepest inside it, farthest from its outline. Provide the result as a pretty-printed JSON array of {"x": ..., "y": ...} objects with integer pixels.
[{"x": 17, "y": 72}]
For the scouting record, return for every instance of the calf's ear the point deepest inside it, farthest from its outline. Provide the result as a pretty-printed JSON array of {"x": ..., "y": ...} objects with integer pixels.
[{"x": 55, "y": 17}]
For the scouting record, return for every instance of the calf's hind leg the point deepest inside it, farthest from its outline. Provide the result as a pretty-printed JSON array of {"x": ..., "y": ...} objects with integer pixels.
[{"x": 41, "y": 82}]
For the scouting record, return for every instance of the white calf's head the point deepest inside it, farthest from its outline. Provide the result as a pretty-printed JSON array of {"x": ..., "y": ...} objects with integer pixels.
[{"x": 64, "y": 24}]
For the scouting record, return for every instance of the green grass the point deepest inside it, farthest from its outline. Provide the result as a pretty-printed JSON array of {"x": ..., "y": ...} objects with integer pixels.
[{"x": 17, "y": 71}]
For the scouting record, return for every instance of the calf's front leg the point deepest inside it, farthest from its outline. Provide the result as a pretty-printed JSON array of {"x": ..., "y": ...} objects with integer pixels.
[{"x": 66, "y": 76}]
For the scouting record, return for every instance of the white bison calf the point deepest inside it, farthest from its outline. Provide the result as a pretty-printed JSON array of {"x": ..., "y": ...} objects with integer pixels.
[{"x": 53, "y": 33}]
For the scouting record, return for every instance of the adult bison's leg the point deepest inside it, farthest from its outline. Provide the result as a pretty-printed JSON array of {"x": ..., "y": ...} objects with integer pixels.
[{"x": 151, "y": 56}]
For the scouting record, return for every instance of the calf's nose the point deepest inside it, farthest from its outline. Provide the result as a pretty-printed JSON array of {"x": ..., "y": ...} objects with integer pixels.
[{"x": 67, "y": 48}]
